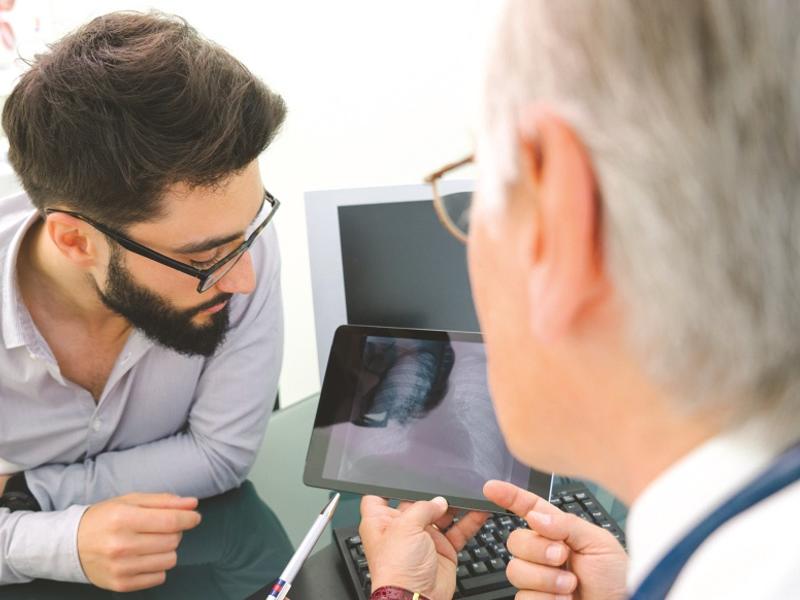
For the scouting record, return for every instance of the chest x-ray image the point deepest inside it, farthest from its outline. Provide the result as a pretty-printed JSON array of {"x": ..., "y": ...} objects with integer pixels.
[{"x": 423, "y": 420}]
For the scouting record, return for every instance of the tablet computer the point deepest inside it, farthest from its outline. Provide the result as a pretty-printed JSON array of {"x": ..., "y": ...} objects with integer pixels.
[{"x": 406, "y": 414}]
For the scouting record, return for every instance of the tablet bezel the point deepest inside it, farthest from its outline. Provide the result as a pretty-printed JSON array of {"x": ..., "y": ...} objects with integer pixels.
[{"x": 330, "y": 411}]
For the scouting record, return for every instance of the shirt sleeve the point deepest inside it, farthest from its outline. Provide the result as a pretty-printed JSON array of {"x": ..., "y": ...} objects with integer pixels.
[
  {"x": 37, "y": 545},
  {"x": 234, "y": 398}
]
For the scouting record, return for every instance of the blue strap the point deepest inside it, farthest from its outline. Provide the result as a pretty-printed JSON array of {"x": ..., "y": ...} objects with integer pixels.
[{"x": 784, "y": 471}]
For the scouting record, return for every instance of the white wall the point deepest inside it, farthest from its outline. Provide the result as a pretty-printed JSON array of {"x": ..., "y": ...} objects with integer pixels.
[{"x": 379, "y": 92}]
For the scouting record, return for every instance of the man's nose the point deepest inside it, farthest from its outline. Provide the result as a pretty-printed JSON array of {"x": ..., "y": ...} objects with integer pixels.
[{"x": 241, "y": 279}]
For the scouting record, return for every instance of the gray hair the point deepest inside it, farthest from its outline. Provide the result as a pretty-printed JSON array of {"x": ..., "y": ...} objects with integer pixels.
[{"x": 690, "y": 111}]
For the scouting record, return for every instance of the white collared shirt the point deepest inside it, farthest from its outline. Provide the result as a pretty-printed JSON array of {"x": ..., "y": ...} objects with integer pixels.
[
  {"x": 755, "y": 555},
  {"x": 164, "y": 422}
]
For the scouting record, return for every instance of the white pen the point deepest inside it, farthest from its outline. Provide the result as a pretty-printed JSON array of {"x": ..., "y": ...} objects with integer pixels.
[{"x": 284, "y": 582}]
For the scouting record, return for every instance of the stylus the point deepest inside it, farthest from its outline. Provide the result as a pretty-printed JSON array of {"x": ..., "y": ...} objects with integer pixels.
[{"x": 284, "y": 582}]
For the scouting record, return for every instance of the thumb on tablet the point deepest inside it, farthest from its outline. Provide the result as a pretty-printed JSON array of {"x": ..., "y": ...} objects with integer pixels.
[{"x": 425, "y": 512}]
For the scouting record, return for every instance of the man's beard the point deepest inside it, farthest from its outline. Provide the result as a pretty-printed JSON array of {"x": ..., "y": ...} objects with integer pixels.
[{"x": 158, "y": 319}]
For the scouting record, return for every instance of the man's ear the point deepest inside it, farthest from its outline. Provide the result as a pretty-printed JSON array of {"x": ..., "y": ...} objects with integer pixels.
[
  {"x": 566, "y": 256},
  {"x": 72, "y": 238}
]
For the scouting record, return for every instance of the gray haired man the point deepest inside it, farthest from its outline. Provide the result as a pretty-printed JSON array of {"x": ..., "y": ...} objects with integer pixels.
[{"x": 633, "y": 251}]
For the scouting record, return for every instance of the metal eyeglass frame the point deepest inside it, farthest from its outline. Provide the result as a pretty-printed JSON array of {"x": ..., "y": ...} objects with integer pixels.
[
  {"x": 204, "y": 275},
  {"x": 438, "y": 203}
]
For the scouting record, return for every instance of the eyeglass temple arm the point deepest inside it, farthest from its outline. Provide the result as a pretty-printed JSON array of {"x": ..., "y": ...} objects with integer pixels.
[{"x": 449, "y": 167}]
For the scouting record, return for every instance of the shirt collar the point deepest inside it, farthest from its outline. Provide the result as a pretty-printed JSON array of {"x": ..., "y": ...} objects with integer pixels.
[
  {"x": 685, "y": 493},
  {"x": 14, "y": 313}
]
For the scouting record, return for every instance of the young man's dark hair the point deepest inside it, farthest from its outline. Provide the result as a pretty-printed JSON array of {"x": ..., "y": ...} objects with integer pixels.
[{"x": 127, "y": 105}]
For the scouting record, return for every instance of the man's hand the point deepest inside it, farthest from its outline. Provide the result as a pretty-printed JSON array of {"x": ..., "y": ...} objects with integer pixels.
[
  {"x": 405, "y": 546},
  {"x": 129, "y": 543},
  {"x": 561, "y": 554},
  {"x": 3, "y": 480}
]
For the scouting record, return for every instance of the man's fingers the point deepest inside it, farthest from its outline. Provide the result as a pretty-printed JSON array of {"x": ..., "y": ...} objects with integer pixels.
[
  {"x": 577, "y": 533},
  {"x": 155, "y": 543},
  {"x": 163, "y": 520},
  {"x": 141, "y": 582},
  {"x": 373, "y": 506},
  {"x": 160, "y": 501},
  {"x": 520, "y": 502},
  {"x": 531, "y": 595},
  {"x": 447, "y": 519},
  {"x": 532, "y": 547},
  {"x": 150, "y": 563},
  {"x": 530, "y": 576},
  {"x": 425, "y": 513},
  {"x": 468, "y": 525}
]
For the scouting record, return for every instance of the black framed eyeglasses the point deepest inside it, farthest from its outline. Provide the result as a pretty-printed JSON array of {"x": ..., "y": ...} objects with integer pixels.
[
  {"x": 208, "y": 277},
  {"x": 452, "y": 209}
]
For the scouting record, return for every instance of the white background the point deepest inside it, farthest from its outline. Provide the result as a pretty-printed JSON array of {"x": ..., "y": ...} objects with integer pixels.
[{"x": 379, "y": 93}]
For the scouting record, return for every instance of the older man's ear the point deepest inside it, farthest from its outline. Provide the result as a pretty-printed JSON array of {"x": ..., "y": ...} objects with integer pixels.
[{"x": 566, "y": 274}]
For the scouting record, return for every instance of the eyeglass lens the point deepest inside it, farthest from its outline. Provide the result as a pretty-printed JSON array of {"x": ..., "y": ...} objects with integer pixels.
[
  {"x": 457, "y": 207},
  {"x": 221, "y": 272}
]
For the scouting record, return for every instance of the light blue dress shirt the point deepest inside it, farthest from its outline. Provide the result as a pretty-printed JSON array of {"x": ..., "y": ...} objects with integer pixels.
[{"x": 164, "y": 423}]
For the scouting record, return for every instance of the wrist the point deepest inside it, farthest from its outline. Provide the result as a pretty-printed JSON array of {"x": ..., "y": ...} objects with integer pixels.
[{"x": 391, "y": 592}]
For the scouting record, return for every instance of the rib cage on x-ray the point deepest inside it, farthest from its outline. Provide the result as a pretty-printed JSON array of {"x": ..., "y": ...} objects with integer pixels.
[{"x": 425, "y": 402}]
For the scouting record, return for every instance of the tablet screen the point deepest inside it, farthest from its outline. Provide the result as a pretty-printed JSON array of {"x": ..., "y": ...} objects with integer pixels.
[{"x": 411, "y": 412}]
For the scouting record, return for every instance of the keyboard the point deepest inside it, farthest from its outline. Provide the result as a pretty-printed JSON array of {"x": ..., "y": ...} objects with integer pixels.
[{"x": 480, "y": 574}]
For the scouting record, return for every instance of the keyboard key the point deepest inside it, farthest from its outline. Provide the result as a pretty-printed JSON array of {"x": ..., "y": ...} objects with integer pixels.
[
  {"x": 490, "y": 581},
  {"x": 462, "y": 572},
  {"x": 464, "y": 557},
  {"x": 354, "y": 541},
  {"x": 497, "y": 564},
  {"x": 599, "y": 517},
  {"x": 581, "y": 495},
  {"x": 572, "y": 507},
  {"x": 481, "y": 554},
  {"x": 496, "y": 549},
  {"x": 556, "y": 502},
  {"x": 487, "y": 538},
  {"x": 589, "y": 505},
  {"x": 472, "y": 543},
  {"x": 478, "y": 568},
  {"x": 568, "y": 498}
]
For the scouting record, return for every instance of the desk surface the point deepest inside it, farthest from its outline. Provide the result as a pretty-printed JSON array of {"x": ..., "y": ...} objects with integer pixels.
[{"x": 247, "y": 535}]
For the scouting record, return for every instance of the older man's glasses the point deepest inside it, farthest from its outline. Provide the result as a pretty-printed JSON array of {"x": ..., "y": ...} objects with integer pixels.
[
  {"x": 207, "y": 277},
  {"x": 452, "y": 209}
]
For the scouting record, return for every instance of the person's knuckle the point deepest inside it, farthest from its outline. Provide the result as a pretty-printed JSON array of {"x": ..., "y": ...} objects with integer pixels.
[
  {"x": 517, "y": 541},
  {"x": 117, "y": 584},
  {"x": 171, "y": 560},
  {"x": 115, "y": 548},
  {"x": 126, "y": 584},
  {"x": 115, "y": 571},
  {"x": 172, "y": 522},
  {"x": 118, "y": 516},
  {"x": 160, "y": 577}
]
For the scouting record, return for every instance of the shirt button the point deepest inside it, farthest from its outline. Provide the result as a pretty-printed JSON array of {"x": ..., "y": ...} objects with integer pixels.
[{"x": 96, "y": 424}]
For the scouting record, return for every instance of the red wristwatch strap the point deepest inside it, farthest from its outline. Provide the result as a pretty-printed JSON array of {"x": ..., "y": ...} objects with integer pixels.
[{"x": 389, "y": 592}]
